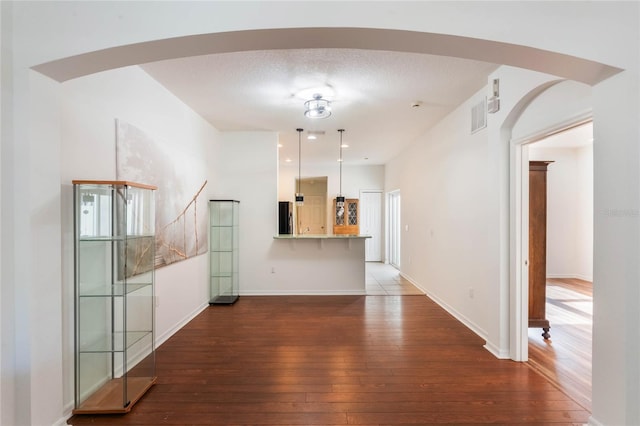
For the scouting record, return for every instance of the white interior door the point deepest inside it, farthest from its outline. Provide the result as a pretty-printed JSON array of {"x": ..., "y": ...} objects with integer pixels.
[
  {"x": 371, "y": 224},
  {"x": 394, "y": 228}
]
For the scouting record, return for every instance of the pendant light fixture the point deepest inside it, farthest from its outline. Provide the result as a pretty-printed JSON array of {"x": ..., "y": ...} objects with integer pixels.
[
  {"x": 299, "y": 195},
  {"x": 340, "y": 198}
]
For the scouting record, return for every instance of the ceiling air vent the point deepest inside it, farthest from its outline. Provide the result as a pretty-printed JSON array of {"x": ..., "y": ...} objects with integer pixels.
[{"x": 479, "y": 115}]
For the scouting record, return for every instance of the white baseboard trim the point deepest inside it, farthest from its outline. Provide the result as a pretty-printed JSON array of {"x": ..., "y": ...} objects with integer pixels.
[
  {"x": 460, "y": 317},
  {"x": 305, "y": 293},
  {"x": 62, "y": 421},
  {"x": 412, "y": 281},
  {"x": 571, "y": 276},
  {"x": 495, "y": 351},
  {"x": 173, "y": 330},
  {"x": 67, "y": 413},
  {"x": 594, "y": 422}
]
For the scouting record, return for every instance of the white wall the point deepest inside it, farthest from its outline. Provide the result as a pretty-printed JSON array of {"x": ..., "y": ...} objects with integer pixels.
[
  {"x": 443, "y": 181},
  {"x": 584, "y": 239},
  {"x": 354, "y": 179},
  {"x": 3, "y": 63},
  {"x": 248, "y": 172},
  {"x": 616, "y": 240},
  {"x": 91, "y": 105},
  {"x": 455, "y": 201},
  {"x": 564, "y": 102},
  {"x": 569, "y": 210},
  {"x": 247, "y": 165}
]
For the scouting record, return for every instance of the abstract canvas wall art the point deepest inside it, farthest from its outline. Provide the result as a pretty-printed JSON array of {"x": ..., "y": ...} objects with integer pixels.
[{"x": 181, "y": 205}]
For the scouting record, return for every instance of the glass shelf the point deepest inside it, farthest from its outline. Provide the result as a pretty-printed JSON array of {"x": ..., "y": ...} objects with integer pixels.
[
  {"x": 224, "y": 236},
  {"x": 103, "y": 344},
  {"x": 100, "y": 238},
  {"x": 113, "y": 290},
  {"x": 114, "y": 310}
]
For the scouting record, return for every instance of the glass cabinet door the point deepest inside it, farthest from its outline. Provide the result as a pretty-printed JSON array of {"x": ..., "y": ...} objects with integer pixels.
[
  {"x": 346, "y": 218},
  {"x": 114, "y": 295},
  {"x": 224, "y": 218}
]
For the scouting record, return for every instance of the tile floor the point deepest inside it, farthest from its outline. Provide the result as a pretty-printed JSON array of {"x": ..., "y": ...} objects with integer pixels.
[{"x": 385, "y": 280}]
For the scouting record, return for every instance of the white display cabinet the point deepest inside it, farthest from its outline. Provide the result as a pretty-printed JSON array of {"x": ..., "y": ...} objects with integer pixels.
[{"x": 114, "y": 295}]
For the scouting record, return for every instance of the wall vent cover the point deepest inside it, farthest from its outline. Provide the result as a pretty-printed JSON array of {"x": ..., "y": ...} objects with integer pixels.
[{"x": 479, "y": 115}]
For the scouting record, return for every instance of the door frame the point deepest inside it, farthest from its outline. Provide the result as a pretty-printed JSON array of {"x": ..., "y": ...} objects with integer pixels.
[
  {"x": 381, "y": 232},
  {"x": 306, "y": 207},
  {"x": 303, "y": 181},
  {"x": 519, "y": 231},
  {"x": 389, "y": 216}
]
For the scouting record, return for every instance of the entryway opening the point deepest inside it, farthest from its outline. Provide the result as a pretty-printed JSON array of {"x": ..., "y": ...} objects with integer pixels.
[
  {"x": 312, "y": 215},
  {"x": 562, "y": 245}
]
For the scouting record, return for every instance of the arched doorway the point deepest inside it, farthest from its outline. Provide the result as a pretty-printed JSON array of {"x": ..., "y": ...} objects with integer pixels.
[
  {"x": 564, "y": 105},
  {"x": 244, "y": 40}
]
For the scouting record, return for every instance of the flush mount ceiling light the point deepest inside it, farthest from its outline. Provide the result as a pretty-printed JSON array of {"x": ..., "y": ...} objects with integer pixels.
[
  {"x": 308, "y": 92},
  {"x": 317, "y": 107}
]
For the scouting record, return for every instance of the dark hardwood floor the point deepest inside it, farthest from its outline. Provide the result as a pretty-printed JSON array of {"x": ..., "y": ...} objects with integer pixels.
[
  {"x": 565, "y": 359},
  {"x": 365, "y": 360}
]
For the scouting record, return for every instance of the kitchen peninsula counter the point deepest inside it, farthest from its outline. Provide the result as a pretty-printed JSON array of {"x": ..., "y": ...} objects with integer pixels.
[{"x": 319, "y": 264}]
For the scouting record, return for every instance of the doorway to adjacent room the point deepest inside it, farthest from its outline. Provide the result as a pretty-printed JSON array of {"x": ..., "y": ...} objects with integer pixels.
[
  {"x": 565, "y": 357},
  {"x": 311, "y": 217}
]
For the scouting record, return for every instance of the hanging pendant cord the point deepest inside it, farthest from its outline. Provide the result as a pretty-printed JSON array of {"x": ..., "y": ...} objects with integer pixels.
[
  {"x": 340, "y": 130},
  {"x": 299, "y": 157}
]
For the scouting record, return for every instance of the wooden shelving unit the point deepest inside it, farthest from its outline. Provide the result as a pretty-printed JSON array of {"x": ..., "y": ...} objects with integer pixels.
[
  {"x": 538, "y": 246},
  {"x": 108, "y": 399}
]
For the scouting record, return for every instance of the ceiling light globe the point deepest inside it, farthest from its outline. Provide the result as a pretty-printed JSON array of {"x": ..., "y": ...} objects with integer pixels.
[{"x": 317, "y": 107}]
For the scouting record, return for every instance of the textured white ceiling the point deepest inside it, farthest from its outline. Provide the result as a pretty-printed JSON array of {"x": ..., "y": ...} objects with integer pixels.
[{"x": 373, "y": 94}]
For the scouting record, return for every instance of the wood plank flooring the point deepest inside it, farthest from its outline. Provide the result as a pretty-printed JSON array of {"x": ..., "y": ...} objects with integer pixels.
[
  {"x": 565, "y": 359},
  {"x": 339, "y": 360}
]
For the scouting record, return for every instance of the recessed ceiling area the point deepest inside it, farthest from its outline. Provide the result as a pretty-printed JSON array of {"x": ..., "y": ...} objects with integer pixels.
[{"x": 373, "y": 96}]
